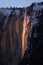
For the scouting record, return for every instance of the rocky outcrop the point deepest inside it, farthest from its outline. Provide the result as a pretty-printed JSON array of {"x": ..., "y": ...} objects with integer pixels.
[
  {"x": 10, "y": 37},
  {"x": 13, "y": 31}
]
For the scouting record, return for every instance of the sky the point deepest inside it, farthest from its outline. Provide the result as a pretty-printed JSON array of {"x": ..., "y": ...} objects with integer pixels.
[{"x": 17, "y": 3}]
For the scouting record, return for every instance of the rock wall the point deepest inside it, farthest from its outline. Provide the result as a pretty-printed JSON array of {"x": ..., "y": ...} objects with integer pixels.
[{"x": 34, "y": 52}]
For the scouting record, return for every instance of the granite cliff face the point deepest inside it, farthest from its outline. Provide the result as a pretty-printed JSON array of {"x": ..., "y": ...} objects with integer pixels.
[
  {"x": 19, "y": 34},
  {"x": 33, "y": 54},
  {"x": 13, "y": 35}
]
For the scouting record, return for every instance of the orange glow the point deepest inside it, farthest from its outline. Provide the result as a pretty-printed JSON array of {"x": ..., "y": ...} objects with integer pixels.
[{"x": 23, "y": 34}]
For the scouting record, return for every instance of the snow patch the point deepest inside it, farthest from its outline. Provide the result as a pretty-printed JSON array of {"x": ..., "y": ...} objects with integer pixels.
[
  {"x": 37, "y": 7},
  {"x": 5, "y": 11},
  {"x": 28, "y": 19},
  {"x": 17, "y": 12}
]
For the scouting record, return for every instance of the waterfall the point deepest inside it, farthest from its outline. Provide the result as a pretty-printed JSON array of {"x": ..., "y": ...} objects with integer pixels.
[{"x": 24, "y": 39}]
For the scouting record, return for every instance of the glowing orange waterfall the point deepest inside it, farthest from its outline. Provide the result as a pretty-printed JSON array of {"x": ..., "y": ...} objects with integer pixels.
[{"x": 23, "y": 34}]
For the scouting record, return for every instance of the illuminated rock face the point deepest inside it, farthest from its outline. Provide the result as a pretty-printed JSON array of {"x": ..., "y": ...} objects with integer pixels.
[{"x": 13, "y": 37}]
